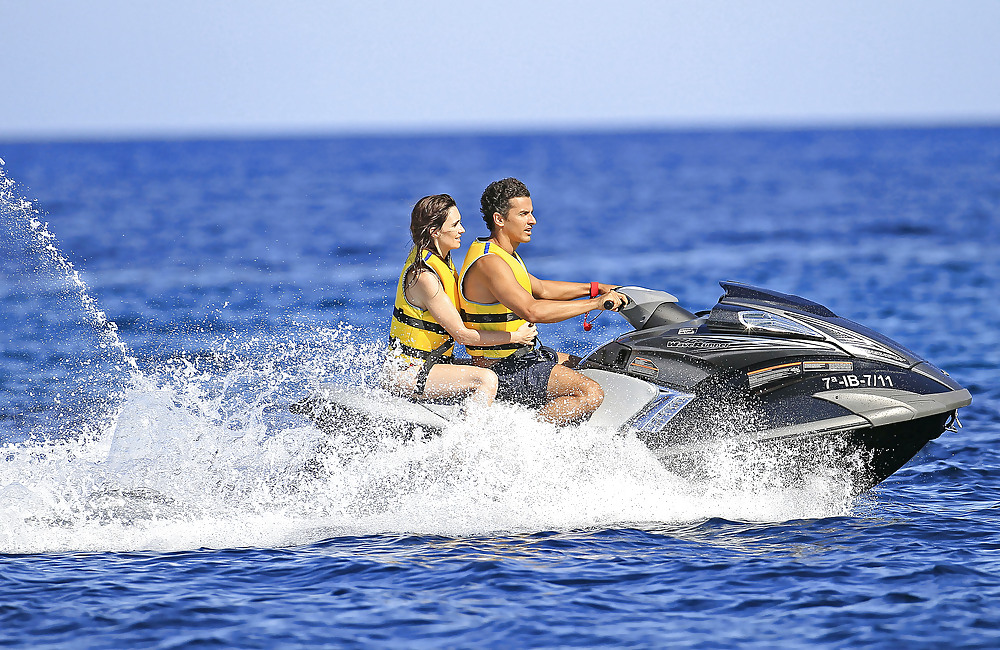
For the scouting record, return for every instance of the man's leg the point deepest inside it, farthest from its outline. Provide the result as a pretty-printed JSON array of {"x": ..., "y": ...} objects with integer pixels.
[
  {"x": 571, "y": 397},
  {"x": 568, "y": 360}
]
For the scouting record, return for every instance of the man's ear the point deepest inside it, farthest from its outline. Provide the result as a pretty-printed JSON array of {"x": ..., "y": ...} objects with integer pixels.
[{"x": 498, "y": 219}]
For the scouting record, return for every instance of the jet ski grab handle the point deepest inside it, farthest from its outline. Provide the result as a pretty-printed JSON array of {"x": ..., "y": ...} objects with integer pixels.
[{"x": 648, "y": 308}]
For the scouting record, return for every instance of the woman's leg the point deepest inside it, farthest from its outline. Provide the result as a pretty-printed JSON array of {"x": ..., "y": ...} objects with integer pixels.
[{"x": 447, "y": 380}]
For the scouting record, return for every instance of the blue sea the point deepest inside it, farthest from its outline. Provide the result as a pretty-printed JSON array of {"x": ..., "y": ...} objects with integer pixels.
[{"x": 163, "y": 302}]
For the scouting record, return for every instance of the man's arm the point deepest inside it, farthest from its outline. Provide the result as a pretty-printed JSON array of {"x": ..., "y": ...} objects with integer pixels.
[
  {"x": 494, "y": 274},
  {"x": 558, "y": 290}
]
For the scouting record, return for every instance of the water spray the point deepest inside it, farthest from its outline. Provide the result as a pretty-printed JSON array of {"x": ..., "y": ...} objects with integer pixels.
[{"x": 24, "y": 213}]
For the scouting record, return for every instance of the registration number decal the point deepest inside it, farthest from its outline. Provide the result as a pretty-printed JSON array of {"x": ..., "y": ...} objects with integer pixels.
[{"x": 858, "y": 381}]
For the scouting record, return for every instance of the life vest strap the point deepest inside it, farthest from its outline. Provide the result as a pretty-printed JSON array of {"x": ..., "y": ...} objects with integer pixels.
[
  {"x": 437, "y": 352},
  {"x": 505, "y": 317},
  {"x": 505, "y": 346},
  {"x": 417, "y": 323},
  {"x": 432, "y": 358}
]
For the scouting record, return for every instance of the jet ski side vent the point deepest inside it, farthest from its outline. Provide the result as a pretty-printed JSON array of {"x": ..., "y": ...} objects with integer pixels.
[
  {"x": 661, "y": 410},
  {"x": 737, "y": 291}
]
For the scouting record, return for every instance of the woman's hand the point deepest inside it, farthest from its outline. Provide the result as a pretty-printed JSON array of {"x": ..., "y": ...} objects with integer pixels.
[{"x": 524, "y": 335}]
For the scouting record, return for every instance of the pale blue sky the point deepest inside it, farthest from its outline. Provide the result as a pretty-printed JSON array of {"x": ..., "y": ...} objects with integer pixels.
[{"x": 195, "y": 67}]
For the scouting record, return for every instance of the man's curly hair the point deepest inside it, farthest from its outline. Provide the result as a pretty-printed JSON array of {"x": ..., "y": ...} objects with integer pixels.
[{"x": 497, "y": 195}]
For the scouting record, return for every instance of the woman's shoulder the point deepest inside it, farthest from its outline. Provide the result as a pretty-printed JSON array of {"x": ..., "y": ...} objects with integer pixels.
[
  {"x": 424, "y": 285},
  {"x": 425, "y": 275}
]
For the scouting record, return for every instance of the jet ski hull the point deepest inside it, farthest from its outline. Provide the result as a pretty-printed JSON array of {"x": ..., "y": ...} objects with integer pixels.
[{"x": 772, "y": 370}]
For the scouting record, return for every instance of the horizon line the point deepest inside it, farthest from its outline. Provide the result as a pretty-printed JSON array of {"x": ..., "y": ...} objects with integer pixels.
[{"x": 207, "y": 133}]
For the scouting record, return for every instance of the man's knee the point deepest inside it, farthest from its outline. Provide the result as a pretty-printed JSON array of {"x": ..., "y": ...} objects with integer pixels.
[
  {"x": 566, "y": 383},
  {"x": 592, "y": 395}
]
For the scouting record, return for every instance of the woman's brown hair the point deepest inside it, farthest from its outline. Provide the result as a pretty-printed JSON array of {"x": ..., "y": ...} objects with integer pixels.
[{"x": 428, "y": 214}]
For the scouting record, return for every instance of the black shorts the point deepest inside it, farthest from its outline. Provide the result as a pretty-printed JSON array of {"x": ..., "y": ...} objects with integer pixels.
[{"x": 525, "y": 379}]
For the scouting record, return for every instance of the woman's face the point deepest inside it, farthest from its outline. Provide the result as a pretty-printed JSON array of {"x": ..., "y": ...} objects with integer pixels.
[{"x": 449, "y": 236}]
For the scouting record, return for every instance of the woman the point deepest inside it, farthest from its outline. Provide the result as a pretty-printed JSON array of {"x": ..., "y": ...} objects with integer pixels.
[{"x": 425, "y": 321}]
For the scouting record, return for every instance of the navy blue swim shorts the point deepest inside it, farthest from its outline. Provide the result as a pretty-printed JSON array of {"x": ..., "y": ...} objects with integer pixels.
[{"x": 525, "y": 379}]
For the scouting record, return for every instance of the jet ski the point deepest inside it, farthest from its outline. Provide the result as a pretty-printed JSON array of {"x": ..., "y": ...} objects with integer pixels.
[{"x": 760, "y": 370}]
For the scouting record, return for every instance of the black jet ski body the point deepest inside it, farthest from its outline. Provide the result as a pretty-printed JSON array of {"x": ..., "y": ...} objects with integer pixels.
[
  {"x": 777, "y": 369},
  {"x": 761, "y": 368}
]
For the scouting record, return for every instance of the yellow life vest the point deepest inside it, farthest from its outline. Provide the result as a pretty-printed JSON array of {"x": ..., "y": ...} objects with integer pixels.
[
  {"x": 494, "y": 316},
  {"x": 414, "y": 331}
]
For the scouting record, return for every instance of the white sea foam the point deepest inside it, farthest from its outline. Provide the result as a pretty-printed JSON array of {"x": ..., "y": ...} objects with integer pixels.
[{"x": 200, "y": 456}]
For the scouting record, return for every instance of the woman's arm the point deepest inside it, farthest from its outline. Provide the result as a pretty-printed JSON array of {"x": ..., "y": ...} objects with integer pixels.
[{"x": 427, "y": 293}]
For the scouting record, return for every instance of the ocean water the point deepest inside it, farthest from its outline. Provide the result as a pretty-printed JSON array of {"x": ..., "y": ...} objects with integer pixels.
[{"x": 164, "y": 302}]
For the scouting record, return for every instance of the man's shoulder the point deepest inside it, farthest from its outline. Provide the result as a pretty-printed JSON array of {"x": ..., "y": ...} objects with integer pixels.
[{"x": 488, "y": 262}]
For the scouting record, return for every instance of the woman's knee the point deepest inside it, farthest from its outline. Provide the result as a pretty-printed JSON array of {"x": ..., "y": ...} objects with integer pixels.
[{"x": 488, "y": 381}]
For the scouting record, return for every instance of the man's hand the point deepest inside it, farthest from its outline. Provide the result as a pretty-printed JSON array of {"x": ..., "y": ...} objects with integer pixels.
[{"x": 618, "y": 300}]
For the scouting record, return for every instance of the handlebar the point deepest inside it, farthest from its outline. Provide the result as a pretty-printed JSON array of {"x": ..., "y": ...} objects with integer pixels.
[{"x": 609, "y": 304}]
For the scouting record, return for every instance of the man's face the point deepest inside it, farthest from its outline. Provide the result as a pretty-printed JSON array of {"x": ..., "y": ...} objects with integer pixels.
[{"x": 519, "y": 219}]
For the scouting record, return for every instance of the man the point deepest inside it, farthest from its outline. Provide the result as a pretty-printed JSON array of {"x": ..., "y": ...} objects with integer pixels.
[{"x": 496, "y": 292}]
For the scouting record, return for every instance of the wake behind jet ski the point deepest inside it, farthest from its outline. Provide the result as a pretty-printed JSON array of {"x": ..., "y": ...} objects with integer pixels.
[{"x": 760, "y": 368}]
